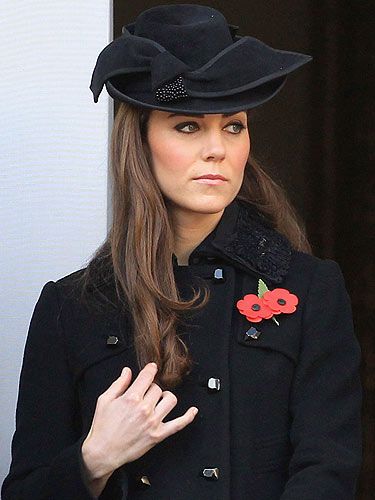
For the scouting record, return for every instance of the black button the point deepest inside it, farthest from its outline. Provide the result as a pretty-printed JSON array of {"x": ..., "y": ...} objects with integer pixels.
[
  {"x": 252, "y": 333},
  {"x": 144, "y": 481},
  {"x": 213, "y": 384},
  {"x": 112, "y": 340},
  {"x": 195, "y": 260},
  {"x": 219, "y": 275},
  {"x": 140, "y": 481},
  {"x": 211, "y": 473}
]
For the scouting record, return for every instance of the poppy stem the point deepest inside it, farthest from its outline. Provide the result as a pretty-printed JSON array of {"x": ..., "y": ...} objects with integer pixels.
[{"x": 275, "y": 320}]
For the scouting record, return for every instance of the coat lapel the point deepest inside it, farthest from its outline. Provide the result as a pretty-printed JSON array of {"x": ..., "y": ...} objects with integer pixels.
[{"x": 245, "y": 238}]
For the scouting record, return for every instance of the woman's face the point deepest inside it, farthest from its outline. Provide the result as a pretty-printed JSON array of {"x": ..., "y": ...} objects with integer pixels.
[{"x": 185, "y": 147}]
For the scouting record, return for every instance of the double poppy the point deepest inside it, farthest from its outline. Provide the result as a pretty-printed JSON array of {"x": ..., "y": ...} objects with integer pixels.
[{"x": 270, "y": 303}]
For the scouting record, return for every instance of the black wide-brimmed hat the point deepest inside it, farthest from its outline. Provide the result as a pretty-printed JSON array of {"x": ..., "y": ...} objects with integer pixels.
[{"x": 187, "y": 58}]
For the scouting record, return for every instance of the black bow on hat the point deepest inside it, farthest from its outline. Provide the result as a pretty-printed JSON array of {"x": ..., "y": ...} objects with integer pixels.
[{"x": 187, "y": 58}]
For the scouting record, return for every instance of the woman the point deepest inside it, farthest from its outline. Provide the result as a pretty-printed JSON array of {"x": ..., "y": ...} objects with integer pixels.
[{"x": 204, "y": 352}]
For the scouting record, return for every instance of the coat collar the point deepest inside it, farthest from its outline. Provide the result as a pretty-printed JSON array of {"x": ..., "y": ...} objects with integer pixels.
[{"x": 246, "y": 239}]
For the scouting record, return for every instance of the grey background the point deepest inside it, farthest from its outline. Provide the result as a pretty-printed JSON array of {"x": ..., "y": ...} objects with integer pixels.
[{"x": 53, "y": 165}]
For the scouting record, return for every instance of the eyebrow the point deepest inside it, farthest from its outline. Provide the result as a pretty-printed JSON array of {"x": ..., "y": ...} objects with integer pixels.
[{"x": 200, "y": 116}]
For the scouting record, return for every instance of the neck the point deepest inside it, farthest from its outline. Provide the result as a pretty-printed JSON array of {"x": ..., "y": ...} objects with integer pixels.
[{"x": 190, "y": 229}]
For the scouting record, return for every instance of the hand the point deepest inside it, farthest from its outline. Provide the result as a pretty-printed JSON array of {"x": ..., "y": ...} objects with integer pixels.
[{"x": 128, "y": 422}]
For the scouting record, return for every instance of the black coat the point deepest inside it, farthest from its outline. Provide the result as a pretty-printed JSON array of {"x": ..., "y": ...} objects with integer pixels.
[{"x": 284, "y": 422}]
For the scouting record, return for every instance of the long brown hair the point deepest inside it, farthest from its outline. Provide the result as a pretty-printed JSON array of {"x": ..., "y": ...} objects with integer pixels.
[{"x": 137, "y": 252}]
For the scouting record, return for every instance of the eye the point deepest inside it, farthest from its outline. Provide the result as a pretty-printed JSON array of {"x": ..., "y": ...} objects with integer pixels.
[
  {"x": 238, "y": 127},
  {"x": 189, "y": 126}
]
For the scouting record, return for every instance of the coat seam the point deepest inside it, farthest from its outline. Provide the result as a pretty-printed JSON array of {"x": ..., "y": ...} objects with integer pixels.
[{"x": 303, "y": 316}]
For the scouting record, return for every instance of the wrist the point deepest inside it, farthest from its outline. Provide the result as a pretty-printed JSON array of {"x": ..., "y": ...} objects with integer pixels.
[{"x": 95, "y": 468}]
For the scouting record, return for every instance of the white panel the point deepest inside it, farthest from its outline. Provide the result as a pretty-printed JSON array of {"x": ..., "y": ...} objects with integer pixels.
[{"x": 53, "y": 163}]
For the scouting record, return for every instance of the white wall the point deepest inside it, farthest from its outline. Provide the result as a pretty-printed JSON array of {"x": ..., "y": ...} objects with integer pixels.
[{"x": 53, "y": 164}]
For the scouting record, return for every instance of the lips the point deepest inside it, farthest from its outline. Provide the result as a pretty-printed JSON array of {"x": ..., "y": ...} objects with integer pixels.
[{"x": 212, "y": 176}]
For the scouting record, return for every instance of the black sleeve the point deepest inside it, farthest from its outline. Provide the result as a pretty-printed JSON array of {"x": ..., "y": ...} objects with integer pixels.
[
  {"x": 326, "y": 396},
  {"x": 46, "y": 446}
]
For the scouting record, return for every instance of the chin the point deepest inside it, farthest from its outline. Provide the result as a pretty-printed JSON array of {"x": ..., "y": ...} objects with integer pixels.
[{"x": 205, "y": 205}]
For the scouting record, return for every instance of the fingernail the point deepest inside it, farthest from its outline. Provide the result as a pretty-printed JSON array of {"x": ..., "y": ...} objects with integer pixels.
[
  {"x": 195, "y": 411},
  {"x": 154, "y": 364},
  {"x": 125, "y": 370}
]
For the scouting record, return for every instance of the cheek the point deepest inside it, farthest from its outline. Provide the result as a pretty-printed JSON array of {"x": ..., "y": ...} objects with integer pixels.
[
  {"x": 168, "y": 155},
  {"x": 240, "y": 156},
  {"x": 246, "y": 149}
]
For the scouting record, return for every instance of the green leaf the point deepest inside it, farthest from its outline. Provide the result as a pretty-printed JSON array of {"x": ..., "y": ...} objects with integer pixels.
[{"x": 262, "y": 288}]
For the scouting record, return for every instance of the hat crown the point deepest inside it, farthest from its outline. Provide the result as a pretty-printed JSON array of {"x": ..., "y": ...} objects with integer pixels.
[{"x": 192, "y": 33}]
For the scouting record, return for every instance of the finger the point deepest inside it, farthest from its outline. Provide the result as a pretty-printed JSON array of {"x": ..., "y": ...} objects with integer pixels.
[
  {"x": 119, "y": 386},
  {"x": 168, "y": 402},
  {"x": 143, "y": 381},
  {"x": 179, "y": 423},
  {"x": 153, "y": 394}
]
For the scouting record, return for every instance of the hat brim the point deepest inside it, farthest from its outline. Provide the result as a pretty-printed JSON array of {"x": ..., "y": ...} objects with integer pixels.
[{"x": 247, "y": 99}]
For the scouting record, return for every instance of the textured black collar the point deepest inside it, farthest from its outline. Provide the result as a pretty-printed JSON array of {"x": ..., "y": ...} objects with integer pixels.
[{"x": 246, "y": 239}]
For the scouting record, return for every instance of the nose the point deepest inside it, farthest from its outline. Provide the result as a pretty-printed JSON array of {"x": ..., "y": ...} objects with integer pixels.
[{"x": 214, "y": 147}]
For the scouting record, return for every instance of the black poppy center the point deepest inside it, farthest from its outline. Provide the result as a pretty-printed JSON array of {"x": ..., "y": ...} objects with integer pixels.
[
  {"x": 255, "y": 307},
  {"x": 282, "y": 302}
]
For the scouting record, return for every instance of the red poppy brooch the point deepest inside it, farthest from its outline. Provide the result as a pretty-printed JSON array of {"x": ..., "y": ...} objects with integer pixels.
[{"x": 266, "y": 305}]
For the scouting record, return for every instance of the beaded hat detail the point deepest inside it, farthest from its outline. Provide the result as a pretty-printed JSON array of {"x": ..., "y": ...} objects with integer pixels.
[
  {"x": 172, "y": 90},
  {"x": 187, "y": 58}
]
